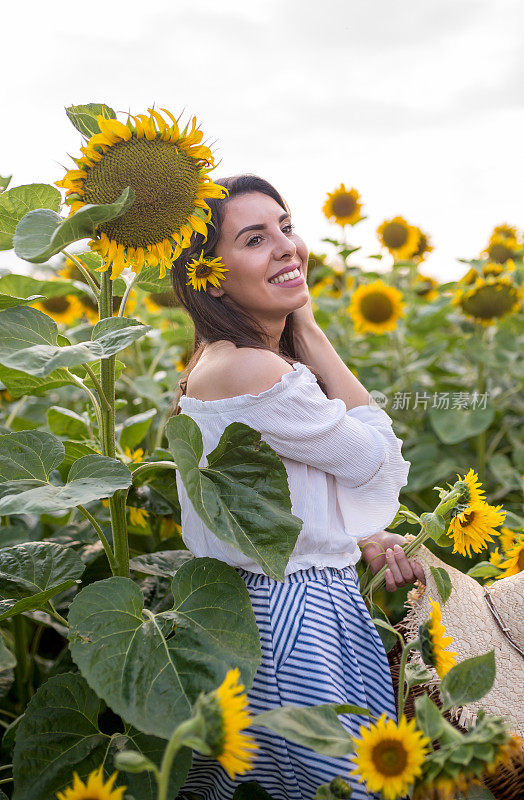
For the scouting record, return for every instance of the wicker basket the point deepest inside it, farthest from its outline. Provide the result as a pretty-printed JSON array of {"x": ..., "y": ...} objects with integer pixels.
[{"x": 507, "y": 783}]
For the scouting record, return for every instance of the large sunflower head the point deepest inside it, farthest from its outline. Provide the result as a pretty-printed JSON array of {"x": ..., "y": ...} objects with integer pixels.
[
  {"x": 376, "y": 307},
  {"x": 501, "y": 248},
  {"x": 225, "y": 715},
  {"x": 507, "y": 538},
  {"x": 343, "y": 206},
  {"x": 424, "y": 247},
  {"x": 400, "y": 238},
  {"x": 168, "y": 170},
  {"x": 94, "y": 789},
  {"x": 433, "y": 642},
  {"x": 490, "y": 299},
  {"x": 389, "y": 757}
]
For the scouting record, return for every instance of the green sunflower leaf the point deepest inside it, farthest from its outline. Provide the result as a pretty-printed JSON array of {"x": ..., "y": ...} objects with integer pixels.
[
  {"x": 20, "y": 383},
  {"x": 453, "y": 425},
  {"x": 5, "y": 180},
  {"x": 32, "y": 573},
  {"x": 84, "y": 117},
  {"x": 163, "y": 563},
  {"x": 42, "y": 233},
  {"x": 250, "y": 790},
  {"x": 442, "y": 581},
  {"x": 28, "y": 341},
  {"x": 60, "y": 734},
  {"x": 132, "y": 431},
  {"x": 64, "y": 422},
  {"x": 7, "y": 658},
  {"x": 27, "y": 461},
  {"x": 468, "y": 681},
  {"x": 17, "y": 202},
  {"x": 151, "y": 668},
  {"x": 242, "y": 495},
  {"x": 317, "y": 727},
  {"x": 429, "y": 719}
]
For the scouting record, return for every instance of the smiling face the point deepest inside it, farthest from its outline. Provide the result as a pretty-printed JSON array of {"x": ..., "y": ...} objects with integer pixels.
[{"x": 256, "y": 242}]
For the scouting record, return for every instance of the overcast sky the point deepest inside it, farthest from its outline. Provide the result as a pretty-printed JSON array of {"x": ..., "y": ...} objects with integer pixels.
[{"x": 418, "y": 104}]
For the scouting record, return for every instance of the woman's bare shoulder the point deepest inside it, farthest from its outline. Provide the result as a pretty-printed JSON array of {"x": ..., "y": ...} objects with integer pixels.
[{"x": 229, "y": 371}]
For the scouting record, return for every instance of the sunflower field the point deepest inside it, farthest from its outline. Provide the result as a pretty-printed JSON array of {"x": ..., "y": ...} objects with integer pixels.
[{"x": 120, "y": 652}]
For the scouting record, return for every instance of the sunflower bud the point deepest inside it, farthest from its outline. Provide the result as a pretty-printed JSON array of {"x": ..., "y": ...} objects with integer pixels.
[{"x": 340, "y": 789}]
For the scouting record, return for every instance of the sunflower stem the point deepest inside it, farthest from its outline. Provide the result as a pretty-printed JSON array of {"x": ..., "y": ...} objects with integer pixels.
[
  {"x": 402, "y": 694},
  {"x": 186, "y": 728},
  {"x": 101, "y": 535},
  {"x": 21, "y": 645},
  {"x": 127, "y": 292},
  {"x": 481, "y": 437},
  {"x": 79, "y": 382},
  {"x": 103, "y": 398},
  {"x": 85, "y": 272},
  {"x": 107, "y": 378}
]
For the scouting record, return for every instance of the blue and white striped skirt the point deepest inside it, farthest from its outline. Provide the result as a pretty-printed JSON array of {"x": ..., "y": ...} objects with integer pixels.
[{"x": 319, "y": 645}]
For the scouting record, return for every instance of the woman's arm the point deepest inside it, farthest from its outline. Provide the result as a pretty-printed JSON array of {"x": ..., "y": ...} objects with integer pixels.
[{"x": 314, "y": 348}]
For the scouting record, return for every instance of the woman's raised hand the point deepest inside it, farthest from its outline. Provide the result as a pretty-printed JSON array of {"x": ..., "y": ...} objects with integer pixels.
[{"x": 385, "y": 548}]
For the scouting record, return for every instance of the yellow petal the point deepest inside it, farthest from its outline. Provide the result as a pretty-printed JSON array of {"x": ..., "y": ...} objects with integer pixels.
[
  {"x": 160, "y": 121},
  {"x": 198, "y": 224},
  {"x": 173, "y": 120}
]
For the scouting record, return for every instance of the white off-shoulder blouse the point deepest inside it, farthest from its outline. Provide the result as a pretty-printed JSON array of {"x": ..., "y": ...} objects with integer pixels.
[{"x": 345, "y": 468}]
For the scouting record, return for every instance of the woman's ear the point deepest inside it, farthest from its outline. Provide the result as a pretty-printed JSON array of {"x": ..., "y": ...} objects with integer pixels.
[{"x": 215, "y": 291}]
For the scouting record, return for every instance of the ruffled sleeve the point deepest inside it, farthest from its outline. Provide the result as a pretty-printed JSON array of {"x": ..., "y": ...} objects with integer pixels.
[{"x": 358, "y": 447}]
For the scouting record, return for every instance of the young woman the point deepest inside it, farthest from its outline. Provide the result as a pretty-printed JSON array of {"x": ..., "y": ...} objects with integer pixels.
[{"x": 260, "y": 358}]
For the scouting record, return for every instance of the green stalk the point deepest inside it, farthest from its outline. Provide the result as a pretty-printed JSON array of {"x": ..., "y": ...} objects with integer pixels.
[
  {"x": 21, "y": 646},
  {"x": 192, "y": 725},
  {"x": 87, "y": 275},
  {"x": 481, "y": 437},
  {"x": 107, "y": 379},
  {"x": 402, "y": 694},
  {"x": 101, "y": 535}
]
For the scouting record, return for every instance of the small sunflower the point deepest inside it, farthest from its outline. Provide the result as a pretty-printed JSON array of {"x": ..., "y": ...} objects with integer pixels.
[
  {"x": 425, "y": 287},
  {"x": 168, "y": 528},
  {"x": 495, "y": 557},
  {"x": 225, "y": 715},
  {"x": 507, "y": 538},
  {"x": 490, "y": 299},
  {"x": 389, "y": 757},
  {"x": 157, "y": 301},
  {"x": 505, "y": 230},
  {"x": 65, "y": 308},
  {"x": 343, "y": 206},
  {"x": 94, "y": 789},
  {"x": 168, "y": 171},
  {"x": 433, "y": 642},
  {"x": 135, "y": 456},
  {"x": 501, "y": 248},
  {"x": 400, "y": 238},
  {"x": 376, "y": 307},
  {"x": 514, "y": 561},
  {"x": 203, "y": 269},
  {"x": 424, "y": 247},
  {"x": 90, "y": 308},
  {"x": 138, "y": 516},
  {"x": 71, "y": 271},
  {"x": 473, "y": 527}
]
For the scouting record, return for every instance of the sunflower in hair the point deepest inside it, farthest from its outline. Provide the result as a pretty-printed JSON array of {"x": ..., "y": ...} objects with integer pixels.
[
  {"x": 203, "y": 269},
  {"x": 167, "y": 169}
]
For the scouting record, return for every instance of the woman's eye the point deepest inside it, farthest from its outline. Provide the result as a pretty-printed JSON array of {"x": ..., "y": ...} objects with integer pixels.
[{"x": 290, "y": 227}]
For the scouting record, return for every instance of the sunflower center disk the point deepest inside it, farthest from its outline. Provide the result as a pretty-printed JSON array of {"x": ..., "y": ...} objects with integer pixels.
[
  {"x": 490, "y": 301},
  {"x": 389, "y": 757},
  {"x": 164, "y": 179},
  {"x": 344, "y": 205},
  {"x": 203, "y": 271},
  {"x": 56, "y": 304},
  {"x": 395, "y": 235},
  {"x": 376, "y": 307},
  {"x": 499, "y": 253}
]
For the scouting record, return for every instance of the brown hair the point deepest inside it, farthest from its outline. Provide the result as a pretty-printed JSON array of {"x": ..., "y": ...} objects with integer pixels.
[{"x": 218, "y": 318}]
